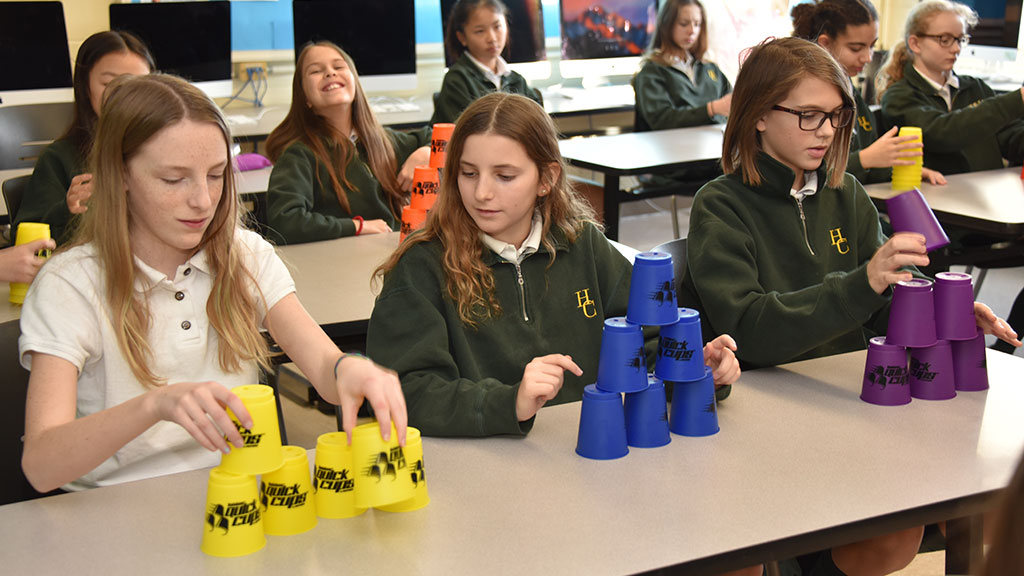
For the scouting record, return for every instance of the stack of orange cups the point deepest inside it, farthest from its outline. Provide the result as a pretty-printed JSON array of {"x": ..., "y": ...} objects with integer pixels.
[
  {"x": 439, "y": 143},
  {"x": 425, "y": 183},
  {"x": 909, "y": 177},
  {"x": 412, "y": 219}
]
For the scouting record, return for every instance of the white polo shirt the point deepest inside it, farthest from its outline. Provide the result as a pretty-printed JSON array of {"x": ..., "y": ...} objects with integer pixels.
[{"x": 66, "y": 315}]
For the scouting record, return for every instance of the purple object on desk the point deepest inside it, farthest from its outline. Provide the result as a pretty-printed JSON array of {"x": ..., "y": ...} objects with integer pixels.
[
  {"x": 885, "y": 374},
  {"x": 912, "y": 314},
  {"x": 909, "y": 212},
  {"x": 251, "y": 161},
  {"x": 931, "y": 372},
  {"x": 954, "y": 306},
  {"x": 970, "y": 365}
]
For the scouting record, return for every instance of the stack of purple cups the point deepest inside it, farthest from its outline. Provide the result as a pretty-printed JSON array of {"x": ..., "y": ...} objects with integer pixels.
[
  {"x": 607, "y": 427},
  {"x": 935, "y": 324}
]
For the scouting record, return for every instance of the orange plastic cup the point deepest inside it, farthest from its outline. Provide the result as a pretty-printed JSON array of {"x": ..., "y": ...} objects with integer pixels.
[
  {"x": 412, "y": 219},
  {"x": 425, "y": 184},
  {"x": 439, "y": 144}
]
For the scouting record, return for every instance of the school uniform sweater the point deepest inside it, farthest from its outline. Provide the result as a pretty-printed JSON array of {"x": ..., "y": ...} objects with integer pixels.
[
  {"x": 462, "y": 381},
  {"x": 783, "y": 291},
  {"x": 667, "y": 98},
  {"x": 465, "y": 82},
  {"x": 977, "y": 134},
  {"x": 865, "y": 131},
  {"x": 45, "y": 198},
  {"x": 302, "y": 205}
]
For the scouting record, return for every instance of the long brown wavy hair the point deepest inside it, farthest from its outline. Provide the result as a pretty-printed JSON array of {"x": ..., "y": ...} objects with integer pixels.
[
  {"x": 470, "y": 283},
  {"x": 661, "y": 40},
  {"x": 773, "y": 69},
  {"x": 334, "y": 150},
  {"x": 134, "y": 111}
]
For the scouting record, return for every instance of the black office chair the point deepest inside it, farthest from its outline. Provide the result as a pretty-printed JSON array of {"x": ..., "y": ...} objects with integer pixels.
[
  {"x": 13, "y": 191},
  {"x": 26, "y": 130},
  {"x": 677, "y": 250}
]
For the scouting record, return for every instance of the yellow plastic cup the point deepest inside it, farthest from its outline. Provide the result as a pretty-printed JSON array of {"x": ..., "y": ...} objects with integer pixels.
[
  {"x": 234, "y": 522},
  {"x": 909, "y": 177},
  {"x": 415, "y": 475},
  {"x": 379, "y": 466},
  {"x": 286, "y": 495},
  {"x": 28, "y": 232},
  {"x": 262, "y": 451},
  {"x": 334, "y": 478}
]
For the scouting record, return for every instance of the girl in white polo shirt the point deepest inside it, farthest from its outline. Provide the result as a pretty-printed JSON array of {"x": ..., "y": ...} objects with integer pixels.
[{"x": 136, "y": 334}]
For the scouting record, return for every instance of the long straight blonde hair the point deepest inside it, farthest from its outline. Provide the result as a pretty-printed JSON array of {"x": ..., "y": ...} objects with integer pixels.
[
  {"x": 134, "y": 111},
  {"x": 470, "y": 283},
  {"x": 917, "y": 24}
]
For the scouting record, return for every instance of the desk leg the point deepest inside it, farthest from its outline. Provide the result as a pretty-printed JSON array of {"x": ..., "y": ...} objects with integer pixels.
[
  {"x": 964, "y": 554},
  {"x": 611, "y": 206}
]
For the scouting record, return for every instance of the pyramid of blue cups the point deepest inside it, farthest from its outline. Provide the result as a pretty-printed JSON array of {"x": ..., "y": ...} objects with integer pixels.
[
  {"x": 609, "y": 426},
  {"x": 933, "y": 347}
]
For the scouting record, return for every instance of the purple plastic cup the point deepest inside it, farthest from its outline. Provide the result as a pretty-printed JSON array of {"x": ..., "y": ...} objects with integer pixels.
[
  {"x": 694, "y": 412},
  {"x": 931, "y": 372},
  {"x": 602, "y": 434},
  {"x": 912, "y": 315},
  {"x": 647, "y": 416},
  {"x": 680, "y": 354},
  {"x": 622, "y": 366},
  {"x": 954, "y": 306},
  {"x": 885, "y": 374},
  {"x": 652, "y": 290},
  {"x": 970, "y": 367},
  {"x": 909, "y": 212}
]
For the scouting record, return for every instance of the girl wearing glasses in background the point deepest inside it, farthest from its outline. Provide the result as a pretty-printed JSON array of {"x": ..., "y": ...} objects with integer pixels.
[{"x": 966, "y": 126}]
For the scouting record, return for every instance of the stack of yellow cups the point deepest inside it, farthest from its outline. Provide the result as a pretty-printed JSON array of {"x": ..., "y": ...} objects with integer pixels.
[{"x": 909, "y": 177}]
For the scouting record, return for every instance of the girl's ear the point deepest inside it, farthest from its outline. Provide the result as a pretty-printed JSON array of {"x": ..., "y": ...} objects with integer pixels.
[
  {"x": 914, "y": 44},
  {"x": 460, "y": 37},
  {"x": 761, "y": 125},
  {"x": 825, "y": 42},
  {"x": 549, "y": 176}
]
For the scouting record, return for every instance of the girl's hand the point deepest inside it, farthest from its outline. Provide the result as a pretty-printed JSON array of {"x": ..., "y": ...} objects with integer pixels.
[
  {"x": 79, "y": 191},
  {"x": 903, "y": 249},
  {"x": 421, "y": 157},
  {"x": 719, "y": 355},
  {"x": 932, "y": 176},
  {"x": 198, "y": 407},
  {"x": 357, "y": 378},
  {"x": 542, "y": 379},
  {"x": 20, "y": 263},
  {"x": 890, "y": 150},
  {"x": 721, "y": 106},
  {"x": 374, "y": 227},
  {"x": 994, "y": 325}
]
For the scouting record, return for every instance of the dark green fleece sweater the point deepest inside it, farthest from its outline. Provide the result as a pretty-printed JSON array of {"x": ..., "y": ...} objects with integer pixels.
[
  {"x": 784, "y": 294},
  {"x": 666, "y": 98},
  {"x": 865, "y": 131},
  {"x": 465, "y": 82},
  {"x": 45, "y": 198},
  {"x": 302, "y": 205},
  {"x": 977, "y": 134}
]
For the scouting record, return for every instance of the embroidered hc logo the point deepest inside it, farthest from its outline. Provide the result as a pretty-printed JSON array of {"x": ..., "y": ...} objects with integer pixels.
[
  {"x": 842, "y": 246},
  {"x": 584, "y": 301}
]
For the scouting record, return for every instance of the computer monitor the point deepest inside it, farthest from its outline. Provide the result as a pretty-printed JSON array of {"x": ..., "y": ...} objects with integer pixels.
[
  {"x": 35, "y": 65},
  {"x": 379, "y": 35},
  {"x": 605, "y": 37},
  {"x": 190, "y": 39},
  {"x": 996, "y": 38}
]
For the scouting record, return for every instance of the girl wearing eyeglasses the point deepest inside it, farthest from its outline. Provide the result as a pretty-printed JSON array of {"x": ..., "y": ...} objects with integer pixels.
[
  {"x": 848, "y": 29},
  {"x": 966, "y": 127}
]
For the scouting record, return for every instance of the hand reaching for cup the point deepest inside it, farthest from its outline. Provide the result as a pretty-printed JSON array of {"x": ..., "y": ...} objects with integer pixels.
[
  {"x": 542, "y": 380},
  {"x": 20, "y": 263},
  {"x": 79, "y": 192},
  {"x": 420, "y": 157},
  {"x": 199, "y": 408},
  {"x": 720, "y": 356},
  {"x": 994, "y": 325},
  {"x": 357, "y": 378},
  {"x": 903, "y": 249},
  {"x": 891, "y": 150}
]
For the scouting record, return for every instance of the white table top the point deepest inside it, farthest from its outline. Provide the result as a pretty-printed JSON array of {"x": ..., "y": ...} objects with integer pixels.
[
  {"x": 643, "y": 152},
  {"x": 799, "y": 458},
  {"x": 992, "y": 200}
]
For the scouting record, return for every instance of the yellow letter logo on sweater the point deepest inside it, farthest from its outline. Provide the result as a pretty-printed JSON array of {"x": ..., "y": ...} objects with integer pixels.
[
  {"x": 842, "y": 246},
  {"x": 712, "y": 75},
  {"x": 865, "y": 124},
  {"x": 584, "y": 301}
]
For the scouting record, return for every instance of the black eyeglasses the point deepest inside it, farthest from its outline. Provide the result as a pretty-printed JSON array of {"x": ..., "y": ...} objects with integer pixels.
[
  {"x": 811, "y": 120},
  {"x": 946, "y": 40}
]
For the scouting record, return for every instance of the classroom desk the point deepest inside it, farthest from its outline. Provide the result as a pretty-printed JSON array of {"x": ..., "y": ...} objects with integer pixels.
[
  {"x": 991, "y": 201},
  {"x": 800, "y": 464},
  {"x": 656, "y": 152}
]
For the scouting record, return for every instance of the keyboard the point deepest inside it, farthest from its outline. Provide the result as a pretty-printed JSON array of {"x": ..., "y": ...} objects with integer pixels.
[{"x": 387, "y": 104}]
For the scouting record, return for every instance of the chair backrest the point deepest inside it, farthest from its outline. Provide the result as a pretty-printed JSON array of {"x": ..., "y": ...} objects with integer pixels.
[
  {"x": 677, "y": 250},
  {"x": 13, "y": 191},
  {"x": 25, "y": 130},
  {"x": 639, "y": 124}
]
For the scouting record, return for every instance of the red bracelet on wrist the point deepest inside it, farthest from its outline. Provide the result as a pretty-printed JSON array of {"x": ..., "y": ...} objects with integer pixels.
[{"x": 359, "y": 224}]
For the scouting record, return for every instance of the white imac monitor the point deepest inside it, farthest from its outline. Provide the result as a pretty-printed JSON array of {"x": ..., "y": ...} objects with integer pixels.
[
  {"x": 602, "y": 38},
  {"x": 190, "y": 39},
  {"x": 379, "y": 35},
  {"x": 996, "y": 38},
  {"x": 35, "y": 66}
]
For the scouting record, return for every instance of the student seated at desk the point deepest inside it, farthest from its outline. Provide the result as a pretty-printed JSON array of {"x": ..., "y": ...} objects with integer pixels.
[
  {"x": 337, "y": 171},
  {"x": 848, "y": 29},
  {"x": 136, "y": 333},
  {"x": 506, "y": 288},
  {"x": 59, "y": 185},
  {"x": 785, "y": 250},
  {"x": 965, "y": 126},
  {"x": 475, "y": 40}
]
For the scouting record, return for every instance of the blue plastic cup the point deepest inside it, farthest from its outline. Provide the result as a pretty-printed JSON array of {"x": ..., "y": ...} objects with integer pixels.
[
  {"x": 680, "y": 354},
  {"x": 931, "y": 372},
  {"x": 970, "y": 366},
  {"x": 652, "y": 290},
  {"x": 885, "y": 374},
  {"x": 694, "y": 412},
  {"x": 622, "y": 366},
  {"x": 647, "y": 416},
  {"x": 602, "y": 434}
]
